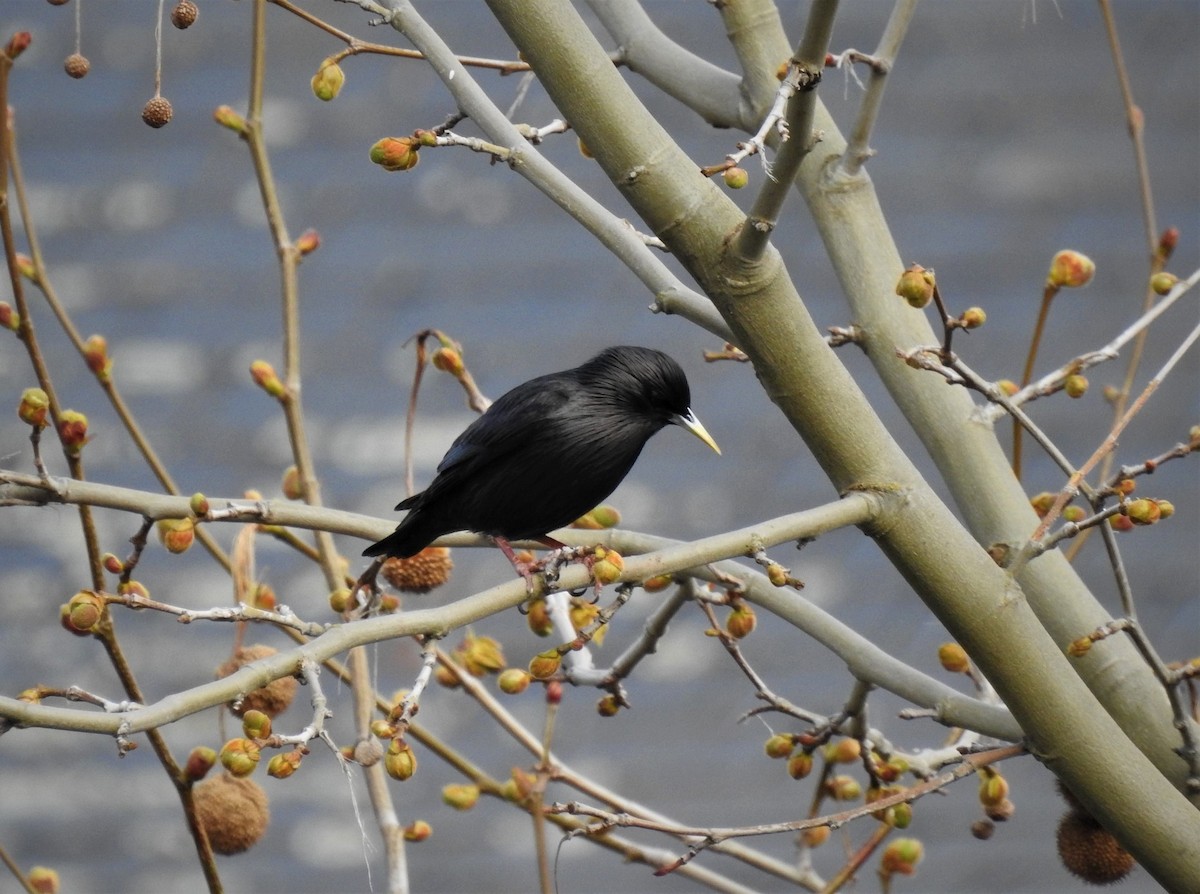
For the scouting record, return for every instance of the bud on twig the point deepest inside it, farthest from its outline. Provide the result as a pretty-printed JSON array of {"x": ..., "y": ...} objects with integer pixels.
[
  {"x": 916, "y": 286},
  {"x": 72, "y": 431},
  {"x": 265, "y": 378},
  {"x": 395, "y": 153},
  {"x": 327, "y": 82},
  {"x": 1070, "y": 269},
  {"x": 34, "y": 405}
]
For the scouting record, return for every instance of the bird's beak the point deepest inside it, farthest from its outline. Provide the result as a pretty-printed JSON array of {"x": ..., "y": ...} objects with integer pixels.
[{"x": 692, "y": 424}]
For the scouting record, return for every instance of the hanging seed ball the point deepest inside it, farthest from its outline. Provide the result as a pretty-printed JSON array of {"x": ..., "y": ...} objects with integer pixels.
[
  {"x": 233, "y": 812},
  {"x": 1089, "y": 851},
  {"x": 271, "y": 699},
  {"x": 57, "y": 2},
  {"x": 420, "y": 573},
  {"x": 77, "y": 65},
  {"x": 184, "y": 14},
  {"x": 157, "y": 112}
]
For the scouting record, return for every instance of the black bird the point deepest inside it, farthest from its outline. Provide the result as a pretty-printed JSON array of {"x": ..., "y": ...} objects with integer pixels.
[{"x": 547, "y": 452}]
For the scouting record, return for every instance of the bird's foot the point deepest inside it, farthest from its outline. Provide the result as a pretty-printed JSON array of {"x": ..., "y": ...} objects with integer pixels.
[{"x": 562, "y": 556}]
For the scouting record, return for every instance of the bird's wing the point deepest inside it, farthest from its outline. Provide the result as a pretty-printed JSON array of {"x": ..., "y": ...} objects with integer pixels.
[{"x": 511, "y": 423}]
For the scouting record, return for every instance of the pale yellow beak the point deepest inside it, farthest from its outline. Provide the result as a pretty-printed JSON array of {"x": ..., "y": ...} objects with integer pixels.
[{"x": 692, "y": 424}]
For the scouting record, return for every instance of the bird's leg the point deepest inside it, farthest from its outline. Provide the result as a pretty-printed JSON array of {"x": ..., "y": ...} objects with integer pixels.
[
  {"x": 523, "y": 568},
  {"x": 367, "y": 586}
]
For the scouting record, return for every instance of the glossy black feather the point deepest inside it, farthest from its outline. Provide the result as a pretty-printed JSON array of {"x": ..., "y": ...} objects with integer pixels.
[{"x": 546, "y": 452}]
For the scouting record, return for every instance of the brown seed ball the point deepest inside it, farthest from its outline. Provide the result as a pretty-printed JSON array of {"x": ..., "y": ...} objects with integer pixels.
[
  {"x": 57, "y": 2},
  {"x": 77, "y": 66},
  {"x": 1089, "y": 851},
  {"x": 157, "y": 112},
  {"x": 184, "y": 14},
  {"x": 271, "y": 699},
  {"x": 983, "y": 829},
  {"x": 233, "y": 812},
  {"x": 429, "y": 568}
]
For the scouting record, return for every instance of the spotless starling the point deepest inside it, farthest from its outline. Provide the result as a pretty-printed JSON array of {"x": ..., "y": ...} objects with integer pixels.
[{"x": 547, "y": 452}]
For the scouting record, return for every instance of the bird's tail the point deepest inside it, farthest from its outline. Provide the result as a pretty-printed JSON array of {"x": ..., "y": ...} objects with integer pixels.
[
  {"x": 408, "y": 539},
  {"x": 400, "y": 543}
]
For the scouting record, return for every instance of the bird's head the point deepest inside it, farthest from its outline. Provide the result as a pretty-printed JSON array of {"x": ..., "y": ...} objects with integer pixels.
[{"x": 649, "y": 383}]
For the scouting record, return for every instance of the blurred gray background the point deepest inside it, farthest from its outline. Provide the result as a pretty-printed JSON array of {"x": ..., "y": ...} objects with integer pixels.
[{"x": 1002, "y": 140}]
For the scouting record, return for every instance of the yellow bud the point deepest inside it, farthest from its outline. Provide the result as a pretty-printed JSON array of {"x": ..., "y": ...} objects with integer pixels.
[
  {"x": 514, "y": 681},
  {"x": 95, "y": 354},
  {"x": 657, "y": 583},
  {"x": 816, "y": 836},
  {"x": 901, "y": 857},
  {"x": 9, "y": 318},
  {"x": 198, "y": 504},
  {"x": 26, "y": 267},
  {"x": 256, "y": 724},
  {"x": 741, "y": 621},
  {"x": 973, "y": 318},
  {"x": 448, "y": 360},
  {"x": 291, "y": 485},
  {"x": 308, "y": 242},
  {"x": 779, "y": 745},
  {"x": 1074, "y": 513},
  {"x": 583, "y": 613},
  {"x": 339, "y": 600},
  {"x": 953, "y": 658},
  {"x": 1042, "y": 503},
  {"x": 916, "y": 286},
  {"x": 400, "y": 762},
  {"x": 227, "y": 117},
  {"x": 736, "y": 178},
  {"x": 538, "y": 618},
  {"x": 396, "y": 153},
  {"x": 993, "y": 788},
  {"x": 85, "y": 610},
  {"x": 800, "y": 765},
  {"x": 418, "y": 830},
  {"x": 777, "y": 574},
  {"x": 176, "y": 534},
  {"x": 281, "y": 766},
  {"x": 1120, "y": 523},
  {"x": 479, "y": 655},
  {"x": 265, "y": 378},
  {"x": 44, "y": 880},
  {"x": 34, "y": 405},
  {"x": 1143, "y": 512},
  {"x": 598, "y": 519},
  {"x": 327, "y": 82},
  {"x": 1075, "y": 385},
  {"x": 1162, "y": 282},
  {"x": 843, "y": 788},
  {"x": 460, "y": 796},
  {"x": 1070, "y": 269},
  {"x": 844, "y": 751},
  {"x": 1080, "y": 647},
  {"x": 607, "y": 566},
  {"x": 72, "y": 431},
  {"x": 608, "y": 706},
  {"x": 240, "y": 757},
  {"x": 545, "y": 664}
]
